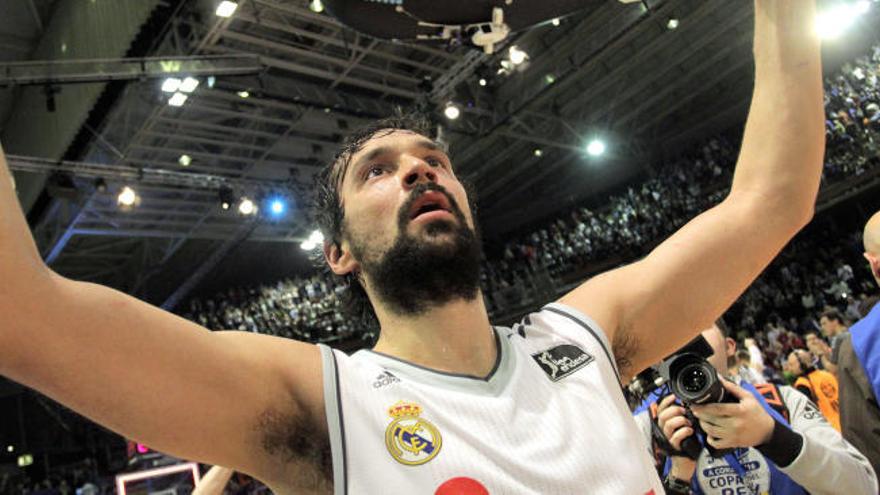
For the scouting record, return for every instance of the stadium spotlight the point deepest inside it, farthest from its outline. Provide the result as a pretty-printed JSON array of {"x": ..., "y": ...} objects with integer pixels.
[
  {"x": 315, "y": 239},
  {"x": 277, "y": 205},
  {"x": 184, "y": 160},
  {"x": 451, "y": 111},
  {"x": 127, "y": 197},
  {"x": 834, "y": 21},
  {"x": 596, "y": 147},
  {"x": 316, "y": 6},
  {"x": 672, "y": 23},
  {"x": 189, "y": 85},
  {"x": 226, "y": 8},
  {"x": 177, "y": 99},
  {"x": 247, "y": 207},
  {"x": 516, "y": 55},
  {"x": 171, "y": 84}
]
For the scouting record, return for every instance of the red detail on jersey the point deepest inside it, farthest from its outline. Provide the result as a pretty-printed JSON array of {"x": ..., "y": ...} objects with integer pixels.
[{"x": 462, "y": 486}]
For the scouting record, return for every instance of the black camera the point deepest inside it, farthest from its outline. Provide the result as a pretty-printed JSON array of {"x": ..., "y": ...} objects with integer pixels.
[{"x": 693, "y": 380}]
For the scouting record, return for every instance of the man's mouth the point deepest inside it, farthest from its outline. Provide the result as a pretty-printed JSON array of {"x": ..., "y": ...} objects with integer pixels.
[{"x": 431, "y": 203}]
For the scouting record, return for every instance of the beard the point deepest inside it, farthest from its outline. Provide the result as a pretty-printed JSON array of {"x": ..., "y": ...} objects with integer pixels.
[{"x": 419, "y": 273}]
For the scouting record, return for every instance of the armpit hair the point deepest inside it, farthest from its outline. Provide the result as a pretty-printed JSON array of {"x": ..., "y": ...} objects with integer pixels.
[
  {"x": 625, "y": 346},
  {"x": 302, "y": 449}
]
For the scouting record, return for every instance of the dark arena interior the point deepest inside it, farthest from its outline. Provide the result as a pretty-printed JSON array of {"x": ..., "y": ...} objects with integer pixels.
[{"x": 172, "y": 150}]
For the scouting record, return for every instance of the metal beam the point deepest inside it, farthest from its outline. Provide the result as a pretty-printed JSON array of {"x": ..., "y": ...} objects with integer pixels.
[{"x": 125, "y": 69}]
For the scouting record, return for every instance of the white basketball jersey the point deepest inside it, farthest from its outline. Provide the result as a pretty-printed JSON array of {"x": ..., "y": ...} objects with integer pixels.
[{"x": 549, "y": 419}]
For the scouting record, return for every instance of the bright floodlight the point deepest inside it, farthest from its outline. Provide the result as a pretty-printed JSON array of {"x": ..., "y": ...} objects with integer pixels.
[
  {"x": 516, "y": 55},
  {"x": 171, "y": 84},
  {"x": 596, "y": 147},
  {"x": 226, "y": 8},
  {"x": 189, "y": 85},
  {"x": 308, "y": 245},
  {"x": 184, "y": 160},
  {"x": 555, "y": 21},
  {"x": 832, "y": 23},
  {"x": 278, "y": 206},
  {"x": 127, "y": 196},
  {"x": 451, "y": 112},
  {"x": 538, "y": 152},
  {"x": 246, "y": 207},
  {"x": 316, "y": 6},
  {"x": 243, "y": 94},
  {"x": 482, "y": 81},
  {"x": 177, "y": 99},
  {"x": 317, "y": 237},
  {"x": 672, "y": 23},
  {"x": 10, "y": 448}
]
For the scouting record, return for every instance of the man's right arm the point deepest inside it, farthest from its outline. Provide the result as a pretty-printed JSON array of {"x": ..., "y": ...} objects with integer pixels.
[{"x": 146, "y": 373}]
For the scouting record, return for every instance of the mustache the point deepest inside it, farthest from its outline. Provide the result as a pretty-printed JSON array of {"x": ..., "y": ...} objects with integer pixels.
[{"x": 403, "y": 216}]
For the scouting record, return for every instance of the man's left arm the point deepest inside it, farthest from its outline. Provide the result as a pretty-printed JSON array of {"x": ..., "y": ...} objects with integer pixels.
[{"x": 652, "y": 307}]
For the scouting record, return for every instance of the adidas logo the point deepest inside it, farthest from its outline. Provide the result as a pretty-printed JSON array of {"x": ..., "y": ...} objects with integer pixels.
[{"x": 384, "y": 379}]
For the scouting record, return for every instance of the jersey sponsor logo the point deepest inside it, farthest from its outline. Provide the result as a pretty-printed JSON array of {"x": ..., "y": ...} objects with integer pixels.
[
  {"x": 384, "y": 379},
  {"x": 562, "y": 360},
  {"x": 411, "y": 439}
]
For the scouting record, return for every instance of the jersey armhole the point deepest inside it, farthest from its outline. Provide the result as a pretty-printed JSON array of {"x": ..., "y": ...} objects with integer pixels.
[
  {"x": 588, "y": 324},
  {"x": 333, "y": 411}
]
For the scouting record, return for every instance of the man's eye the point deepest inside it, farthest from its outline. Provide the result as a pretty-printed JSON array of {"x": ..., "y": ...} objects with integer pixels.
[
  {"x": 434, "y": 162},
  {"x": 374, "y": 171}
]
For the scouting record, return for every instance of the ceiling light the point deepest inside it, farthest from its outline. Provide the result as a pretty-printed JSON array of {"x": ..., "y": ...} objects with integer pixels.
[
  {"x": 833, "y": 22},
  {"x": 246, "y": 207},
  {"x": 549, "y": 79},
  {"x": 189, "y": 85},
  {"x": 177, "y": 99},
  {"x": 184, "y": 160},
  {"x": 226, "y": 8},
  {"x": 171, "y": 84},
  {"x": 127, "y": 197},
  {"x": 451, "y": 111},
  {"x": 308, "y": 245},
  {"x": 316, "y": 236},
  {"x": 672, "y": 23},
  {"x": 482, "y": 81},
  {"x": 316, "y": 6},
  {"x": 516, "y": 55},
  {"x": 556, "y": 21},
  {"x": 243, "y": 94},
  {"x": 539, "y": 152},
  {"x": 596, "y": 147}
]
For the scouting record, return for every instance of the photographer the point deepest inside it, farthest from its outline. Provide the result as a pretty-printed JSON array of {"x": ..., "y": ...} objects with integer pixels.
[{"x": 782, "y": 443}]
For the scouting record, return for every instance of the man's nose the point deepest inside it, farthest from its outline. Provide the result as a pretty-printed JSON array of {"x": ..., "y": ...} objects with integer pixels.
[{"x": 418, "y": 172}]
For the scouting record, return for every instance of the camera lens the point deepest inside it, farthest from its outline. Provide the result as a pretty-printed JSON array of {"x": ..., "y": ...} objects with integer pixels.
[{"x": 693, "y": 379}]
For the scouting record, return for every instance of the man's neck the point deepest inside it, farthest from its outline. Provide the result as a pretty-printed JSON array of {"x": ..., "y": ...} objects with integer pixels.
[{"x": 456, "y": 337}]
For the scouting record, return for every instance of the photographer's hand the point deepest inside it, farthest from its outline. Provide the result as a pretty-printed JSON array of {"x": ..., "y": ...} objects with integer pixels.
[
  {"x": 743, "y": 424},
  {"x": 676, "y": 427}
]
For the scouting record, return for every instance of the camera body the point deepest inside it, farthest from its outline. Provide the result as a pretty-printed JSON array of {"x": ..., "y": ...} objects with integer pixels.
[{"x": 693, "y": 380}]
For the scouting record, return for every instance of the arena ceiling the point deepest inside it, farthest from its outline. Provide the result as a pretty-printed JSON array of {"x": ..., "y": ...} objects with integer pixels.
[{"x": 613, "y": 70}]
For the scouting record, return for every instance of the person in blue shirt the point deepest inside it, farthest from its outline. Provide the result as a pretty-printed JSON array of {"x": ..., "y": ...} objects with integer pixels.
[{"x": 783, "y": 444}]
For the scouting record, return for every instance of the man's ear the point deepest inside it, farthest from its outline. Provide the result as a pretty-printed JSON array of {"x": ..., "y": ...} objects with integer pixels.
[
  {"x": 730, "y": 345},
  {"x": 874, "y": 263},
  {"x": 339, "y": 258}
]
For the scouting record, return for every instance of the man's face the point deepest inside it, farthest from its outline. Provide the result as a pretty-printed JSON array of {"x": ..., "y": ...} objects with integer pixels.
[
  {"x": 830, "y": 327},
  {"x": 408, "y": 228},
  {"x": 380, "y": 181},
  {"x": 725, "y": 349}
]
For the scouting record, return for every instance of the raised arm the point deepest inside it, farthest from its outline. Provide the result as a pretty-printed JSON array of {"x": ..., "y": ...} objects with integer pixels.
[
  {"x": 652, "y": 307},
  {"x": 146, "y": 373}
]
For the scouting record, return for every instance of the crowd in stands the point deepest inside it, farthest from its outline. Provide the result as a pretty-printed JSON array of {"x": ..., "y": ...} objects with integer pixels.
[{"x": 624, "y": 228}]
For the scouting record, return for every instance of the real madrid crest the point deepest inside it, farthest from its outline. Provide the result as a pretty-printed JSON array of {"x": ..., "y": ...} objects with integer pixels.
[{"x": 410, "y": 439}]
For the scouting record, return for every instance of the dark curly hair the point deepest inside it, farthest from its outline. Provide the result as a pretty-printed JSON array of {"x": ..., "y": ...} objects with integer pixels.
[{"x": 328, "y": 209}]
